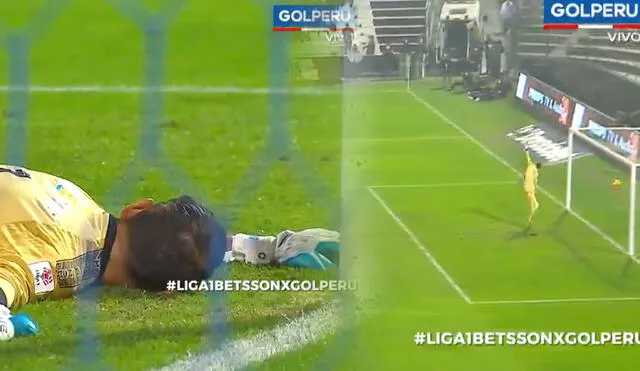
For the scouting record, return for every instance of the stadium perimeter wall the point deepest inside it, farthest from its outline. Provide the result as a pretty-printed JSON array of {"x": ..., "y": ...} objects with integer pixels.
[
  {"x": 560, "y": 111},
  {"x": 590, "y": 83}
]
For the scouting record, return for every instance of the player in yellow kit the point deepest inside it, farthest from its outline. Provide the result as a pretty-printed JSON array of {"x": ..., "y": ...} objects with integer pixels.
[
  {"x": 55, "y": 240},
  {"x": 530, "y": 185}
]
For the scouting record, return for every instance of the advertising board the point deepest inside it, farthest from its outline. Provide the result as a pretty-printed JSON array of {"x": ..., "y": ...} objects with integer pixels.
[{"x": 565, "y": 110}]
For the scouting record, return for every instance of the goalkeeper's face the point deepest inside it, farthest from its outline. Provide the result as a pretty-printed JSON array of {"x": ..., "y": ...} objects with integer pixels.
[{"x": 167, "y": 241}]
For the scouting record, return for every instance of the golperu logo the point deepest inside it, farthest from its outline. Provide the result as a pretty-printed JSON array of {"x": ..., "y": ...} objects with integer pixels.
[
  {"x": 297, "y": 17},
  {"x": 592, "y": 12},
  {"x": 608, "y": 10},
  {"x": 336, "y": 17}
]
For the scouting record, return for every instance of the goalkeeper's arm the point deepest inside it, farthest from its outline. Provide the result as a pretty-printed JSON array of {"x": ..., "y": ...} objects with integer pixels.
[{"x": 527, "y": 156}]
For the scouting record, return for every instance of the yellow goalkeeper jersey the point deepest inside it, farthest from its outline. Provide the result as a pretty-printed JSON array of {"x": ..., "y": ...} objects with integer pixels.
[
  {"x": 54, "y": 238},
  {"x": 530, "y": 175},
  {"x": 530, "y": 178}
]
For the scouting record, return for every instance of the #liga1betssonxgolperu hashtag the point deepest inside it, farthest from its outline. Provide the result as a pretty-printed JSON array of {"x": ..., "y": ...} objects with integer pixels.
[
  {"x": 262, "y": 285},
  {"x": 552, "y": 338}
]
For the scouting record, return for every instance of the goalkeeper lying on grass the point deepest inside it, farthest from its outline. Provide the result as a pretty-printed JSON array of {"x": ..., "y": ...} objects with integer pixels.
[{"x": 55, "y": 240}]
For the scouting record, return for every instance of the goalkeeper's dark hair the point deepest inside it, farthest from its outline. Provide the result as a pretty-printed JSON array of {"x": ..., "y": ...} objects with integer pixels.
[
  {"x": 538, "y": 165},
  {"x": 173, "y": 240}
]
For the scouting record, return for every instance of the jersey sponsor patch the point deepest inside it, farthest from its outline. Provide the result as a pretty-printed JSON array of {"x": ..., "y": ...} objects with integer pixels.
[
  {"x": 70, "y": 192},
  {"x": 63, "y": 197},
  {"x": 42, "y": 277},
  {"x": 544, "y": 146},
  {"x": 80, "y": 271},
  {"x": 54, "y": 207}
]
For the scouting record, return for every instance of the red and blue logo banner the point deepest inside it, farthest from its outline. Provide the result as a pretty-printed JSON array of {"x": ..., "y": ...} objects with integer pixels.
[{"x": 299, "y": 17}]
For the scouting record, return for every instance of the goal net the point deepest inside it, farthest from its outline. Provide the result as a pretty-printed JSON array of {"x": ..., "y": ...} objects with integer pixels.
[{"x": 603, "y": 188}]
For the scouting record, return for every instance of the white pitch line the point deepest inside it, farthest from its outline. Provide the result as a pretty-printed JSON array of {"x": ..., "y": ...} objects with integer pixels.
[
  {"x": 286, "y": 337},
  {"x": 443, "y": 185},
  {"x": 419, "y": 244},
  {"x": 179, "y": 89},
  {"x": 589, "y": 225},
  {"x": 408, "y": 139},
  {"x": 555, "y": 301}
]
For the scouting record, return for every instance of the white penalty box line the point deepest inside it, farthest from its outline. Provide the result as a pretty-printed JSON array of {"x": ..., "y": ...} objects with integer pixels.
[
  {"x": 424, "y": 138},
  {"x": 556, "y": 301},
  {"x": 446, "y": 275},
  {"x": 420, "y": 246},
  {"x": 188, "y": 89},
  {"x": 443, "y": 272},
  {"x": 445, "y": 185}
]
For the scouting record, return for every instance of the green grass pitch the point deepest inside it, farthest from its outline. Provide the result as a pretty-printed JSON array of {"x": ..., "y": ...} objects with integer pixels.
[
  {"x": 215, "y": 140},
  {"x": 442, "y": 224},
  {"x": 434, "y": 214}
]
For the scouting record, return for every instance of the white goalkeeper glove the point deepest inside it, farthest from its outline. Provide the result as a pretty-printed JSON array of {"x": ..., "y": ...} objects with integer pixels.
[
  {"x": 16, "y": 325},
  {"x": 252, "y": 249},
  {"x": 6, "y": 326},
  {"x": 311, "y": 248}
]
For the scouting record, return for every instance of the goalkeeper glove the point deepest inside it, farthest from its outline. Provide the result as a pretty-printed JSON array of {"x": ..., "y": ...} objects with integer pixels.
[
  {"x": 311, "y": 248},
  {"x": 15, "y": 325},
  {"x": 252, "y": 249}
]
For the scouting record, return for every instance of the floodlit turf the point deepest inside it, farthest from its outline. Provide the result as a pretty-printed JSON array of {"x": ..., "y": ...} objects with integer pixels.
[
  {"x": 212, "y": 141},
  {"x": 231, "y": 150},
  {"x": 437, "y": 190}
]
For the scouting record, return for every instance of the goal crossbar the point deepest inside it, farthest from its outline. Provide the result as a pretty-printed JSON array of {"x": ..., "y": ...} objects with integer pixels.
[{"x": 628, "y": 161}]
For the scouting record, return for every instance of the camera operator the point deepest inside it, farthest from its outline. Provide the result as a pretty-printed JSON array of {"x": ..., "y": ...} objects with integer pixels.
[
  {"x": 494, "y": 50},
  {"x": 389, "y": 61},
  {"x": 503, "y": 86},
  {"x": 420, "y": 58},
  {"x": 405, "y": 58},
  {"x": 507, "y": 14},
  {"x": 447, "y": 70},
  {"x": 510, "y": 16},
  {"x": 371, "y": 45}
]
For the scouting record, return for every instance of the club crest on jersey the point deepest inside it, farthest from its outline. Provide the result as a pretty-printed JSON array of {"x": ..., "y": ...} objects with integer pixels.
[
  {"x": 42, "y": 277},
  {"x": 46, "y": 276}
]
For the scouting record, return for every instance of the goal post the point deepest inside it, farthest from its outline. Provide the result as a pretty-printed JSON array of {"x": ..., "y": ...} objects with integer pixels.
[{"x": 618, "y": 149}]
